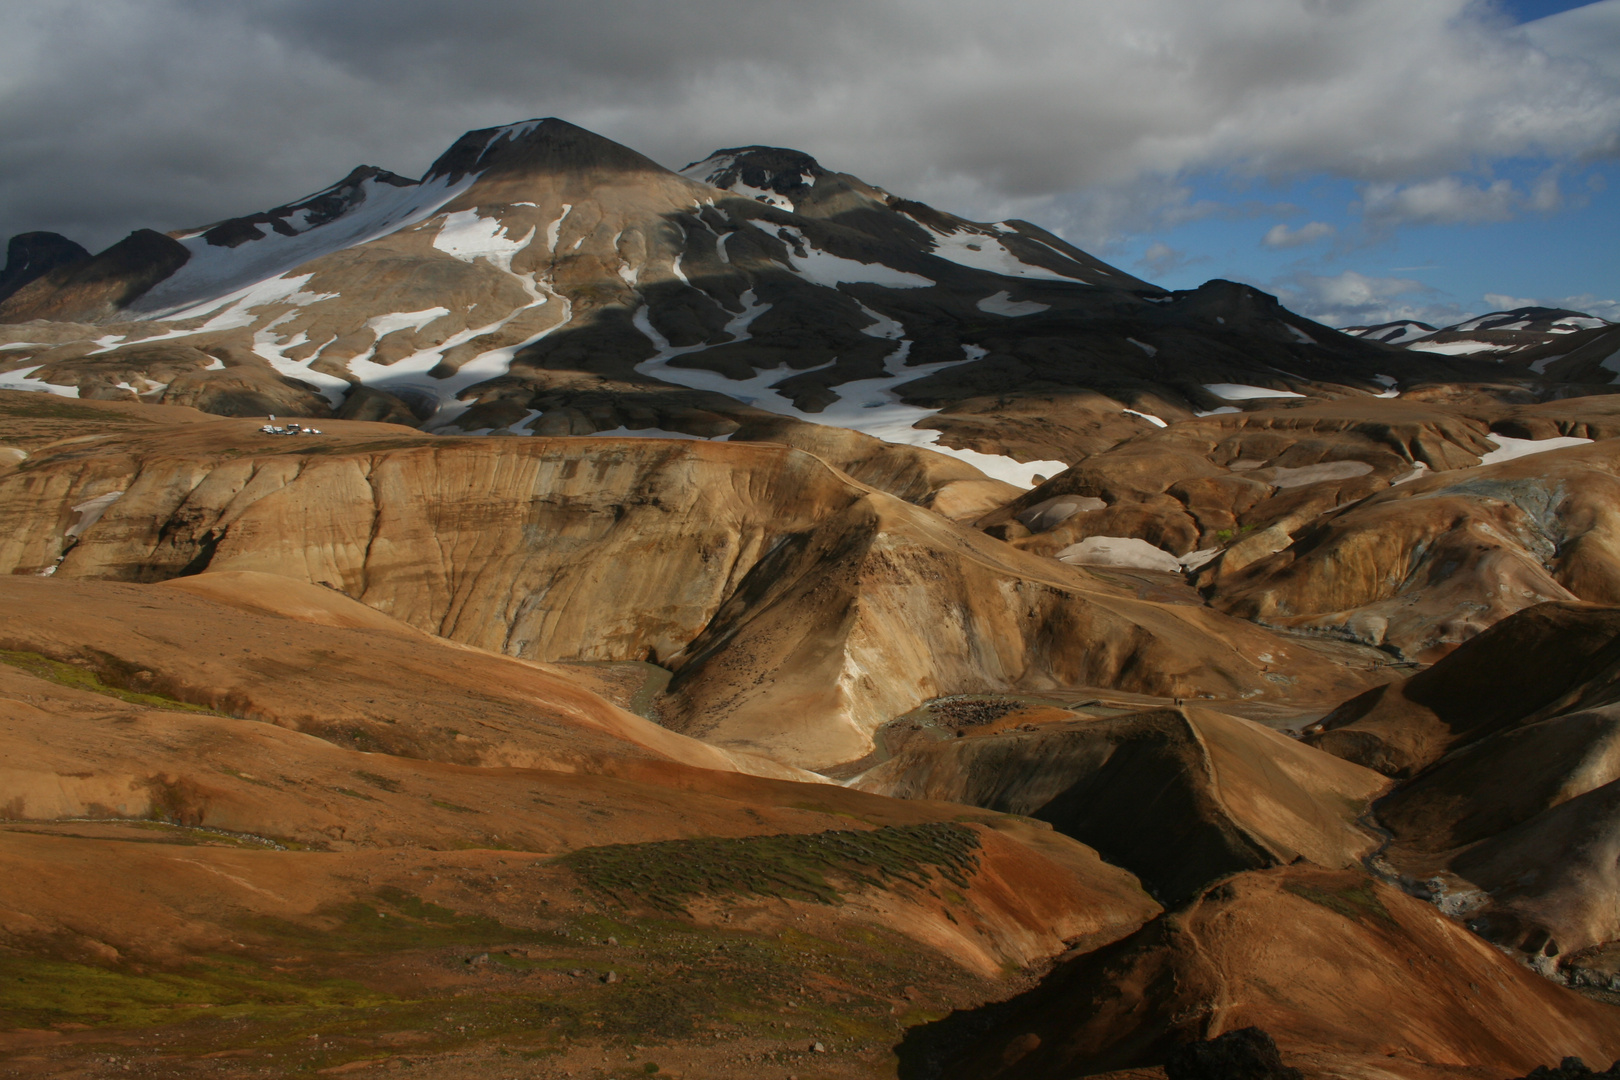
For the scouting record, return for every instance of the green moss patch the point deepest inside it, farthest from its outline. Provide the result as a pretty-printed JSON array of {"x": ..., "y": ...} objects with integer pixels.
[
  {"x": 669, "y": 873},
  {"x": 37, "y": 992},
  {"x": 397, "y": 922},
  {"x": 1358, "y": 902},
  {"x": 75, "y": 677}
]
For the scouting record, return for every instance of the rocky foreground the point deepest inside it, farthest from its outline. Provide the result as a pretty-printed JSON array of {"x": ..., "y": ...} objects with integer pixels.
[{"x": 378, "y": 750}]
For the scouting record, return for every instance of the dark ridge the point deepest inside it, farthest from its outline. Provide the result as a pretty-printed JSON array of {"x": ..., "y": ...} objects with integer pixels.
[
  {"x": 32, "y": 255},
  {"x": 769, "y": 168},
  {"x": 1245, "y": 1054},
  {"x": 323, "y": 206},
  {"x": 94, "y": 288},
  {"x": 1539, "y": 318}
]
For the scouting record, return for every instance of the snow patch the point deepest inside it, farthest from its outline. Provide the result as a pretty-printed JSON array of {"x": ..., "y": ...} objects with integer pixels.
[
  {"x": 1316, "y": 474},
  {"x": 1299, "y": 335},
  {"x": 235, "y": 310},
  {"x": 1144, "y": 346},
  {"x": 1050, "y": 513},
  {"x": 1125, "y": 551},
  {"x": 824, "y": 268},
  {"x": 1508, "y": 449},
  {"x": 980, "y": 251},
  {"x": 22, "y": 379},
  {"x": 269, "y": 346},
  {"x": 90, "y": 512},
  {"x": 1195, "y": 559},
  {"x": 645, "y": 433},
  {"x": 1149, "y": 417},
  {"x": 556, "y": 227},
  {"x": 1244, "y": 392},
  {"x": 383, "y": 325},
  {"x": 410, "y": 376},
  {"x": 1003, "y": 304},
  {"x": 1459, "y": 348},
  {"x": 1419, "y": 468},
  {"x": 469, "y": 237}
]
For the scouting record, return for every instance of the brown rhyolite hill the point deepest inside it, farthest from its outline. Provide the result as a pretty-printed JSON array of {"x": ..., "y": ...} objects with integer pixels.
[
  {"x": 441, "y": 747},
  {"x": 773, "y": 585}
]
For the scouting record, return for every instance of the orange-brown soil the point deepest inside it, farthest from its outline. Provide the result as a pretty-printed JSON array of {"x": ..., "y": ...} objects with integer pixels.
[{"x": 1351, "y": 977}]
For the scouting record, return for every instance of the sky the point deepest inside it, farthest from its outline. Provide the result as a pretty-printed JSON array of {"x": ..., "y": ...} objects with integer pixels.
[{"x": 1365, "y": 160}]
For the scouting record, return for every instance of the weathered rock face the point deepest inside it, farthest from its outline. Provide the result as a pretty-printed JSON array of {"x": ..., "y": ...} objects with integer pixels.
[
  {"x": 33, "y": 255},
  {"x": 798, "y": 608},
  {"x": 1428, "y": 564},
  {"x": 1181, "y": 798},
  {"x": 1511, "y": 813},
  {"x": 1298, "y": 952},
  {"x": 221, "y": 642}
]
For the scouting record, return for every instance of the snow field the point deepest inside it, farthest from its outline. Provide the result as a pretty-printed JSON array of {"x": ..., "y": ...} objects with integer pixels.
[
  {"x": 212, "y": 270},
  {"x": 979, "y": 251},
  {"x": 869, "y": 406}
]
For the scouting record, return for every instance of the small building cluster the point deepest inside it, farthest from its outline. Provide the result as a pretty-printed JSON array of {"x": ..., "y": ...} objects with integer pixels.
[{"x": 289, "y": 428}]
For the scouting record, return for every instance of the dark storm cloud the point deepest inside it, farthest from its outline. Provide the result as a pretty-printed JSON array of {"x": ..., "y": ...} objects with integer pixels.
[{"x": 170, "y": 113}]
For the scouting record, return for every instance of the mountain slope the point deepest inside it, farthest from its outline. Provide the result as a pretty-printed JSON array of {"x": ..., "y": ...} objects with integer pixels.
[{"x": 542, "y": 279}]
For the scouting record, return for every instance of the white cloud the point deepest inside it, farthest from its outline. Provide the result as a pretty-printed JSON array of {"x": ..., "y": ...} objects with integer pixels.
[
  {"x": 225, "y": 108},
  {"x": 1587, "y": 303},
  {"x": 1353, "y": 299},
  {"x": 1445, "y": 201},
  {"x": 1281, "y": 236},
  {"x": 1592, "y": 305},
  {"x": 1160, "y": 259}
]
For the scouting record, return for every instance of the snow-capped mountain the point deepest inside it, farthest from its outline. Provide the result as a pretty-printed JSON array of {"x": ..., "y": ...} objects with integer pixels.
[
  {"x": 1400, "y": 332},
  {"x": 1569, "y": 346},
  {"x": 540, "y": 279}
]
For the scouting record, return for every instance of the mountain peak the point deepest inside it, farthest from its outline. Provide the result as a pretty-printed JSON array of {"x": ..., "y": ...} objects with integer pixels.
[
  {"x": 543, "y": 145},
  {"x": 761, "y": 171}
]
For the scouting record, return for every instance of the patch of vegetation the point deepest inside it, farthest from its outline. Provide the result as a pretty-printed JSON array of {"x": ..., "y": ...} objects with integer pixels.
[
  {"x": 383, "y": 782},
  {"x": 1358, "y": 902},
  {"x": 666, "y": 874},
  {"x": 399, "y": 921},
  {"x": 1226, "y": 536},
  {"x": 75, "y": 677},
  {"x": 972, "y": 712},
  {"x": 53, "y": 407},
  {"x": 240, "y": 775},
  {"x": 297, "y": 1001},
  {"x": 37, "y": 991},
  {"x": 457, "y": 807}
]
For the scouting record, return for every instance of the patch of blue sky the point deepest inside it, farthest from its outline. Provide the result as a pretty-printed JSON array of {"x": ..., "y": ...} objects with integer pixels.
[
  {"x": 1530, "y": 10},
  {"x": 1476, "y": 236}
]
